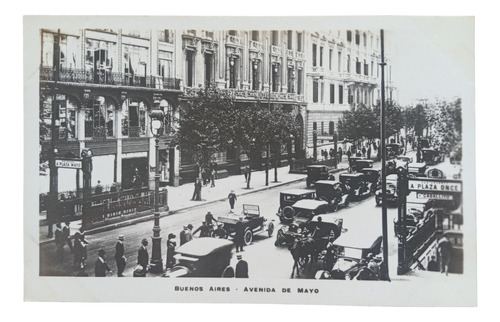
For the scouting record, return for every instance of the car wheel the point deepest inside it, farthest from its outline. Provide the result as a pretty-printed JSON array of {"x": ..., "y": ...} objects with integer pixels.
[
  {"x": 248, "y": 237},
  {"x": 288, "y": 213},
  {"x": 270, "y": 229}
]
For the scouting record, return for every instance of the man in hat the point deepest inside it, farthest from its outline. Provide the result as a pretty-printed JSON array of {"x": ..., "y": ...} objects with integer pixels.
[
  {"x": 170, "y": 251},
  {"x": 232, "y": 198},
  {"x": 100, "y": 264},
  {"x": 120, "y": 256},
  {"x": 330, "y": 255},
  {"x": 364, "y": 273},
  {"x": 185, "y": 235},
  {"x": 373, "y": 265},
  {"x": 66, "y": 235},
  {"x": 143, "y": 256},
  {"x": 241, "y": 268},
  {"x": 59, "y": 239}
]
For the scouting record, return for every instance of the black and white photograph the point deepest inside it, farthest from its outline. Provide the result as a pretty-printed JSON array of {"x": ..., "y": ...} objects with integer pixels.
[{"x": 251, "y": 159}]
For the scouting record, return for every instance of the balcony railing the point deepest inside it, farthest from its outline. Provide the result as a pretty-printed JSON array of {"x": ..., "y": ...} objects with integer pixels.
[
  {"x": 106, "y": 77},
  {"x": 276, "y": 50},
  {"x": 255, "y": 45},
  {"x": 299, "y": 55},
  {"x": 254, "y": 94},
  {"x": 233, "y": 40}
]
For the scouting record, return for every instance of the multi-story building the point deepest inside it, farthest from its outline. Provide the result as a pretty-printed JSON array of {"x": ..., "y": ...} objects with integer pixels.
[
  {"x": 342, "y": 70},
  {"x": 108, "y": 81}
]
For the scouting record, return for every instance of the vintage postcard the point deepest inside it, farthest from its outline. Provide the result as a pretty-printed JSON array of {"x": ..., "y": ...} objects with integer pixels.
[{"x": 304, "y": 160}]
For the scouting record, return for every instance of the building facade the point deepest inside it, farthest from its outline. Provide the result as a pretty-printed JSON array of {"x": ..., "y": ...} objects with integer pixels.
[{"x": 102, "y": 84}]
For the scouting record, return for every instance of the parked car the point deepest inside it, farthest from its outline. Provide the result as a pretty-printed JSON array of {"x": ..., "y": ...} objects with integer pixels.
[
  {"x": 432, "y": 156},
  {"x": 318, "y": 172},
  {"x": 334, "y": 192},
  {"x": 201, "y": 257},
  {"x": 289, "y": 197},
  {"x": 358, "y": 187},
  {"x": 417, "y": 169},
  {"x": 253, "y": 222},
  {"x": 391, "y": 190}
]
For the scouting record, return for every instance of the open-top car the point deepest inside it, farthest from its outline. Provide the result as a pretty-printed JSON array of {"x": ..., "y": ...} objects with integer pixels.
[
  {"x": 201, "y": 257},
  {"x": 318, "y": 172},
  {"x": 391, "y": 192},
  {"x": 358, "y": 187},
  {"x": 251, "y": 220},
  {"x": 417, "y": 169},
  {"x": 289, "y": 197},
  {"x": 432, "y": 156},
  {"x": 334, "y": 192}
]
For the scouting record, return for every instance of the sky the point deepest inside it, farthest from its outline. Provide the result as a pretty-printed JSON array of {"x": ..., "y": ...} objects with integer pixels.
[{"x": 431, "y": 57}]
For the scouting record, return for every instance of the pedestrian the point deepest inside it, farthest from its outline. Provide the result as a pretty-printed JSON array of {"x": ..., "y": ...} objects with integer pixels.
[
  {"x": 330, "y": 254},
  {"x": 60, "y": 241},
  {"x": 444, "y": 250},
  {"x": 369, "y": 152},
  {"x": 241, "y": 268},
  {"x": 212, "y": 178},
  {"x": 249, "y": 176},
  {"x": 332, "y": 153},
  {"x": 432, "y": 265},
  {"x": 373, "y": 265},
  {"x": 171, "y": 251},
  {"x": 98, "y": 188},
  {"x": 186, "y": 234},
  {"x": 62, "y": 197},
  {"x": 80, "y": 248},
  {"x": 71, "y": 195},
  {"x": 239, "y": 231},
  {"x": 364, "y": 273},
  {"x": 101, "y": 267},
  {"x": 232, "y": 199},
  {"x": 348, "y": 155},
  {"x": 197, "y": 190},
  {"x": 363, "y": 151},
  {"x": 120, "y": 256},
  {"x": 67, "y": 236},
  {"x": 245, "y": 173},
  {"x": 204, "y": 230},
  {"x": 340, "y": 154},
  {"x": 142, "y": 259}
]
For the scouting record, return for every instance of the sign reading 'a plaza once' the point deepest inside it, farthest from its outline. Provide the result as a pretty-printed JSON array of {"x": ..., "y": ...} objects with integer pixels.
[
  {"x": 71, "y": 164},
  {"x": 434, "y": 185}
]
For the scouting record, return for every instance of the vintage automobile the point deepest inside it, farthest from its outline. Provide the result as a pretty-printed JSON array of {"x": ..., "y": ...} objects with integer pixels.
[
  {"x": 253, "y": 222},
  {"x": 334, "y": 192},
  {"x": 391, "y": 190},
  {"x": 318, "y": 172},
  {"x": 371, "y": 176},
  {"x": 300, "y": 214},
  {"x": 353, "y": 161},
  {"x": 393, "y": 150},
  {"x": 201, "y": 257},
  {"x": 391, "y": 167},
  {"x": 289, "y": 197},
  {"x": 351, "y": 247},
  {"x": 403, "y": 161},
  {"x": 432, "y": 156},
  {"x": 417, "y": 169},
  {"x": 358, "y": 187},
  {"x": 362, "y": 164}
]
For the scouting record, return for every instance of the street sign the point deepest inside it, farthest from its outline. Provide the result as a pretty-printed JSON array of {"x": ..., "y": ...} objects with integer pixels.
[
  {"x": 70, "y": 164},
  {"x": 435, "y": 196},
  {"x": 434, "y": 185},
  {"x": 325, "y": 137}
]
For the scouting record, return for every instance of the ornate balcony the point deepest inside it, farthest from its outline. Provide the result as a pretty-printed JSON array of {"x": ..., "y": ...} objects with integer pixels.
[
  {"x": 276, "y": 50},
  {"x": 289, "y": 53},
  {"x": 299, "y": 55},
  {"x": 107, "y": 77},
  {"x": 256, "y": 46},
  {"x": 233, "y": 40}
]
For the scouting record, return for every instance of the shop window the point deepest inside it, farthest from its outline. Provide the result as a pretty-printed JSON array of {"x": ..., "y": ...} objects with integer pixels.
[{"x": 99, "y": 118}]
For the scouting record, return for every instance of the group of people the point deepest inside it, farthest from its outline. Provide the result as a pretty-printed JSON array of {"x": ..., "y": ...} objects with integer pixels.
[
  {"x": 76, "y": 243},
  {"x": 330, "y": 154}
]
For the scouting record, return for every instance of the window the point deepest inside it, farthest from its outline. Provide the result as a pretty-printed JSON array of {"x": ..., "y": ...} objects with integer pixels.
[
  {"x": 165, "y": 64},
  {"x": 274, "y": 38},
  {"x": 255, "y": 35},
  {"x": 339, "y": 61},
  {"x": 233, "y": 33},
  {"x": 299, "y": 81},
  {"x": 99, "y": 118},
  {"x": 358, "y": 66},
  {"x": 350, "y": 99},
  {"x": 322, "y": 92},
  {"x": 291, "y": 80},
  {"x": 357, "y": 37},
  {"x": 348, "y": 63},
  {"x": 165, "y": 36},
  {"x": 364, "y": 39},
  {"x": 315, "y": 91},
  {"x": 256, "y": 75},
  {"x": 209, "y": 65},
  {"x": 168, "y": 116},
  {"x": 371, "y": 68},
  {"x": 66, "y": 122},
  {"x": 134, "y": 119},
  {"x": 332, "y": 93},
  {"x": 322, "y": 128},
  {"x": 315, "y": 125},
  {"x": 314, "y": 55},
  {"x": 276, "y": 77},
  {"x": 349, "y": 35},
  {"x": 321, "y": 56},
  {"x": 331, "y": 128},
  {"x": 189, "y": 68},
  {"x": 330, "y": 58},
  {"x": 365, "y": 67},
  {"x": 290, "y": 39},
  {"x": 233, "y": 71},
  {"x": 134, "y": 62},
  {"x": 341, "y": 94},
  {"x": 299, "y": 41}
]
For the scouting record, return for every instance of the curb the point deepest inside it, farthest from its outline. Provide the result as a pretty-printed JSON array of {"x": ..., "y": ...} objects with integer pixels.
[{"x": 171, "y": 212}]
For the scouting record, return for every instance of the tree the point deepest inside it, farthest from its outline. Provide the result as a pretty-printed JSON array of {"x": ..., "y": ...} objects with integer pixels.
[
  {"x": 206, "y": 125},
  {"x": 359, "y": 123},
  {"x": 394, "y": 119},
  {"x": 446, "y": 127}
]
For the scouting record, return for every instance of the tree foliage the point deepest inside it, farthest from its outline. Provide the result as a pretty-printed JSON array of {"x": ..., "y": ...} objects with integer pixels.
[
  {"x": 446, "y": 126},
  {"x": 358, "y": 123},
  {"x": 416, "y": 118}
]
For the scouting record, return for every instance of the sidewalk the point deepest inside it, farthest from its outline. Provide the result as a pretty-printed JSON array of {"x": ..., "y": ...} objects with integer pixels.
[{"x": 179, "y": 198}]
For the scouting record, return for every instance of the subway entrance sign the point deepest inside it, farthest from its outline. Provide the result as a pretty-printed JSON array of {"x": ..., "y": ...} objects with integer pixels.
[
  {"x": 434, "y": 185},
  {"x": 69, "y": 163}
]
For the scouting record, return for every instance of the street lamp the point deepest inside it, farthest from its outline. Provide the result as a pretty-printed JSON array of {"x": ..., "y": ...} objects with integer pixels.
[
  {"x": 87, "y": 167},
  {"x": 157, "y": 123}
]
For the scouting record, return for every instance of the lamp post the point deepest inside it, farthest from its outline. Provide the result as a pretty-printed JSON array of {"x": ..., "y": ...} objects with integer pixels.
[
  {"x": 87, "y": 185},
  {"x": 157, "y": 123}
]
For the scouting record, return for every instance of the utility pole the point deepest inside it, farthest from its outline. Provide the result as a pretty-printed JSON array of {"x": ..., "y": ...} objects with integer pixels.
[
  {"x": 270, "y": 66},
  {"x": 383, "y": 152}
]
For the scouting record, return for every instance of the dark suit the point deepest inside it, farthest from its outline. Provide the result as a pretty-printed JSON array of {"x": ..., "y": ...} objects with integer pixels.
[
  {"x": 66, "y": 233},
  {"x": 242, "y": 269},
  {"x": 101, "y": 268},
  {"x": 119, "y": 258},
  {"x": 143, "y": 257}
]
